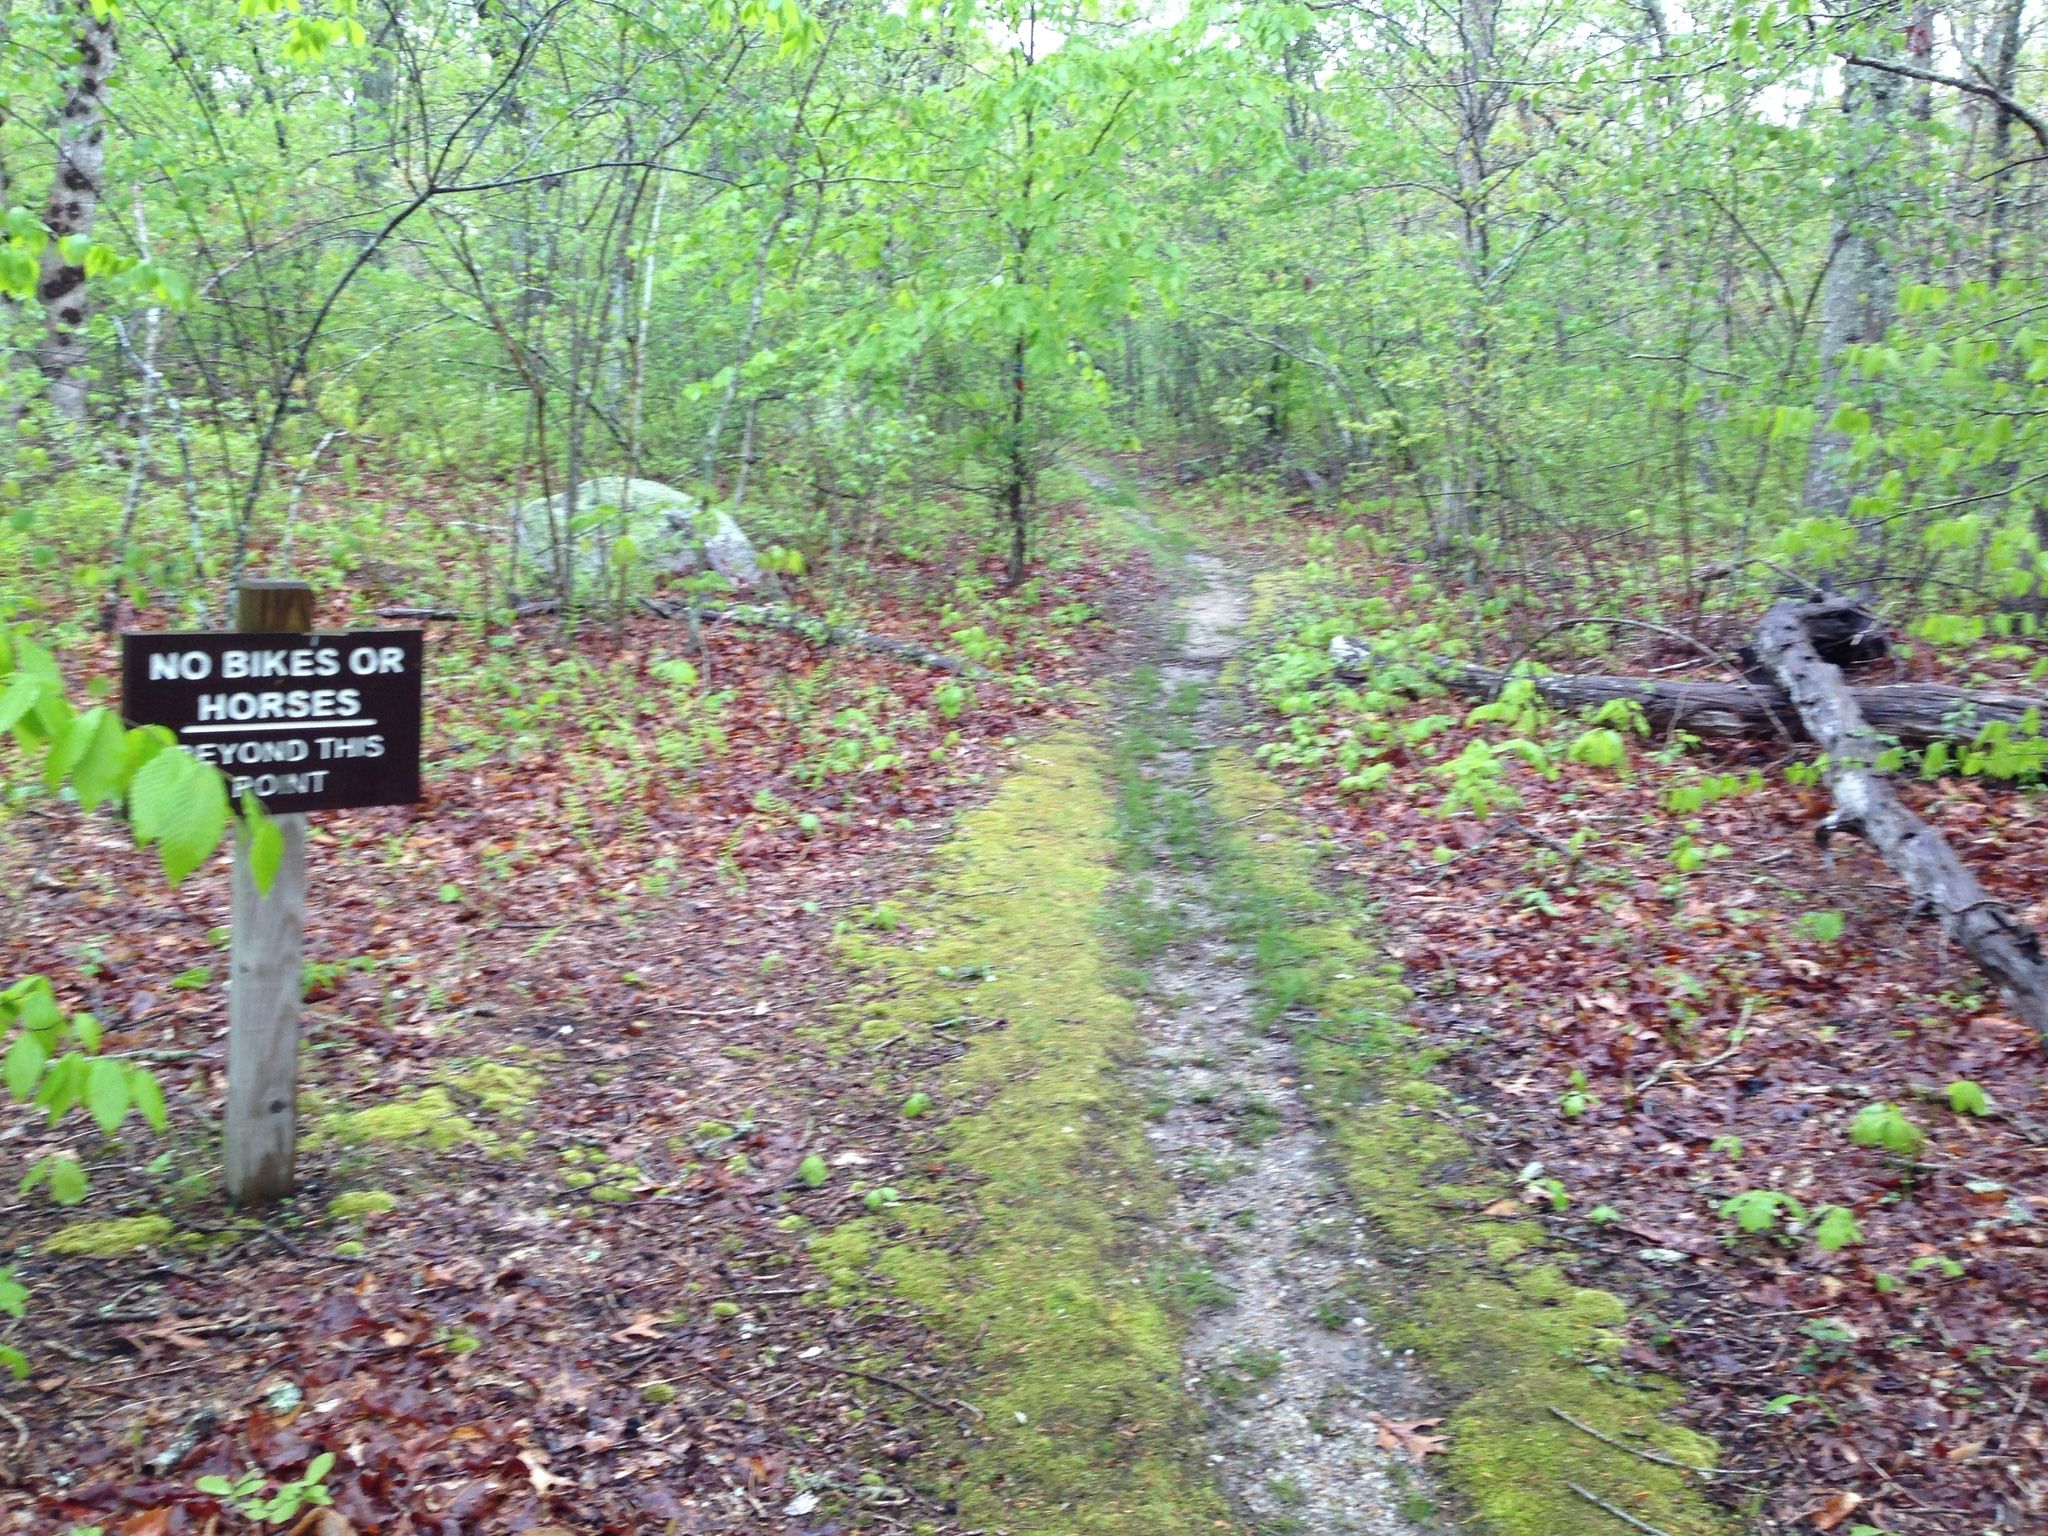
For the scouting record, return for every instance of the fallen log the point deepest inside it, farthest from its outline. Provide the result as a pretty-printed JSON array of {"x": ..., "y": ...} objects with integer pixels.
[
  {"x": 789, "y": 621},
  {"x": 793, "y": 621},
  {"x": 1987, "y": 929},
  {"x": 1913, "y": 714}
]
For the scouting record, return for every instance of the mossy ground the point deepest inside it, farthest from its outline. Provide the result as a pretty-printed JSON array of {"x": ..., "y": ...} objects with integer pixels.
[
  {"x": 458, "y": 1110},
  {"x": 102, "y": 1239},
  {"x": 1042, "y": 1284},
  {"x": 1479, "y": 1299}
]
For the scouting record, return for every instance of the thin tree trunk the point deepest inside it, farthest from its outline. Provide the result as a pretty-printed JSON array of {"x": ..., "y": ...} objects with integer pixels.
[
  {"x": 75, "y": 192},
  {"x": 2005, "y": 60},
  {"x": 745, "y": 349},
  {"x": 1858, "y": 290}
]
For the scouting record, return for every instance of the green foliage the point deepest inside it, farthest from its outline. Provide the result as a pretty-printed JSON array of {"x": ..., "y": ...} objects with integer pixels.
[
  {"x": 1968, "y": 1098},
  {"x": 1600, "y": 747},
  {"x": 254, "y": 1496},
  {"x": 1822, "y": 927},
  {"x": 1885, "y": 1125},
  {"x": 1760, "y": 1210},
  {"x": 1576, "y": 1099},
  {"x": 812, "y": 1170},
  {"x": 1835, "y": 1228}
]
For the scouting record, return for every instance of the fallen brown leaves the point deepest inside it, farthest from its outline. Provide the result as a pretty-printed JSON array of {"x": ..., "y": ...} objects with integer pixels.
[
  {"x": 517, "y": 1347},
  {"x": 1405, "y": 1435},
  {"x": 1726, "y": 1042}
]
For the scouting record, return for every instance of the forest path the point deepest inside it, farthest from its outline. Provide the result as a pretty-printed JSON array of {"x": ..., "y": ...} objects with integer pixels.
[{"x": 1281, "y": 1353}]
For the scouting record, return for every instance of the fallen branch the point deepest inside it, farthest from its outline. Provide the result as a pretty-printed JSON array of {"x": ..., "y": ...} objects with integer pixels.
[
  {"x": 1913, "y": 714},
  {"x": 788, "y": 621},
  {"x": 1606, "y": 1439},
  {"x": 1617, "y": 1511},
  {"x": 1829, "y": 709},
  {"x": 792, "y": 621}
]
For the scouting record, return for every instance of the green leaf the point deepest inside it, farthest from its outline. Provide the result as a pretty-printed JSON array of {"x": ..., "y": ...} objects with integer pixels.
[
  {"x": 102, "y": 762},
  {"x": 24, "y": 1064},
  {"x": 67, "y": 1180},
  {"x": 13, "y": 1294},
  {"x": 266, "y": 844},
  {"x": 106, "y": 1092},
  {"x": 917, "y": 1104},
  {"x": 13, "y": 1362},
  {"x": 1885, "y": 1125},
  {"x": 1967, "y": 1098},
  {"x": 63, "y": 1085},
  {"x": 148, "y": 1095},
  {"x": 85, "y": 1029},
  {"x": 180, "y": 804},
  {"x": 1836, "y": 1229},
  {"x": 22, "y": 695}
]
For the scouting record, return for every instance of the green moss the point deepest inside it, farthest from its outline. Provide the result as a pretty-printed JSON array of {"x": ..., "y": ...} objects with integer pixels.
[
  {"x": 655, "y": 1393},
  {"x": 429, "y": 1116},
  {"x": 1086, "y": 1431},
  {"x": 102, "y": 1239},
  {"x": 361, "y": 1204},
  {"x": 503, "y": 1090},
  {"x": 1511, "y": 1346}
]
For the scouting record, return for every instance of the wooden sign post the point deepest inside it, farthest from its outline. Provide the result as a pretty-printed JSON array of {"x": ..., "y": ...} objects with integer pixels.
[
  {"x": 303, "y": 722},
  {"x": 259, "y": 1136}
]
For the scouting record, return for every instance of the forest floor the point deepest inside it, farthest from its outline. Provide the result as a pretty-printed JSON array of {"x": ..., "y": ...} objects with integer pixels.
[{"x": 857, "y": 1107}]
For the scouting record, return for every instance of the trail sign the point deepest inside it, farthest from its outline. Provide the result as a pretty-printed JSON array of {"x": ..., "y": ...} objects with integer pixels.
[{"x": 304, "y": 722}]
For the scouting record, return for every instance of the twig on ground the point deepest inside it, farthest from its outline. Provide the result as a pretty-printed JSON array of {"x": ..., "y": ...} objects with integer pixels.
[
  {"x": 1620, "y": 1514},
  {"x": 954, "y": 1407},
  {"x": 1604, "y": 1439},
  {"x": 1678, "y": 1061}
]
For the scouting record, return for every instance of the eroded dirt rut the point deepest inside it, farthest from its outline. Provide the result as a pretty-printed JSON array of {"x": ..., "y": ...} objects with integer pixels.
[{"x": 1302, "y": 1394}]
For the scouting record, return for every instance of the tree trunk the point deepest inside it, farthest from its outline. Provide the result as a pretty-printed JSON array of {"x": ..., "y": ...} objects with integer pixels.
[
  {"x": 1859, "y": 287},
  {"x": 75, "y": 193},
  {"x": 1987, "y": 929},
  {"x": 1914, "y": 714},
  {"x": 2005, "y": 60}
]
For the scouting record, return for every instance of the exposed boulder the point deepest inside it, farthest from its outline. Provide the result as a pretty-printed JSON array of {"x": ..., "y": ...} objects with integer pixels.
[{"x": 674, "y": 532}]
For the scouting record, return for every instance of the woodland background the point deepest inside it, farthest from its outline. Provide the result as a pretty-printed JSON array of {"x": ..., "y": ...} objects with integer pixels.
[{"x": 1463, "y": 319}]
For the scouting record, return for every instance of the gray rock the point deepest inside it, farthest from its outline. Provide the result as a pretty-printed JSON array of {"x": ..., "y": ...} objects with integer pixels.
[{"x": 674, "y": 532}]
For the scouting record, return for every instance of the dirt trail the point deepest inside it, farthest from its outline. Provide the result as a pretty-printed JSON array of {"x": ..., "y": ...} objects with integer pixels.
[{"x": 1296, "y": 1381}]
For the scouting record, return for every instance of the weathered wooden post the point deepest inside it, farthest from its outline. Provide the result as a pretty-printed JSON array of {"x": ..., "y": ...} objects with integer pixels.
[
  {"x": 260, "y": 1131},
  {"x": 302, "y": 722}
]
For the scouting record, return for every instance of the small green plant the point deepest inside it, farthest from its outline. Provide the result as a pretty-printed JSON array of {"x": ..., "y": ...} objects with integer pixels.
[
  {"x": 1600, "y": 747},
  {"x": 917, "y": 1105},
  {"x": 1727, "y": 1144},
  {"x": 812, "y": 1171},
  {"x": 1689, "y": 855},
  {"x": 1835, "y": 1228},
  {"x": 1822, "y": 927},
  {"x": 1759, "y": 1210},
  {"x": 1885, "y": 1125},
  {"x": 952, "y": 699},
  {"x": 247, "y": 1496},
  {"x": 881, "y": 1199},
  {"x": 1576, "y": 1100},
  {"x": 1967, "y": 1098},
  {"x": 13, "y": 1303}
]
